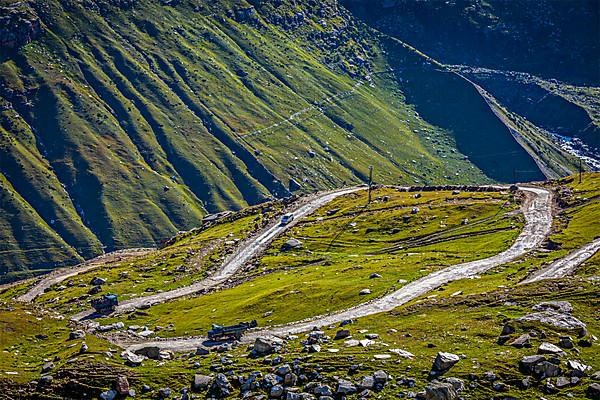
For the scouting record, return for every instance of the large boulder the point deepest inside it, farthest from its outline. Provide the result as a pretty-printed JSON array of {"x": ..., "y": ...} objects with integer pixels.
[
  {"x": 557, "y": 320},
  {"x": 77, "y": 334},
  {"x": 440, "y": 391}
]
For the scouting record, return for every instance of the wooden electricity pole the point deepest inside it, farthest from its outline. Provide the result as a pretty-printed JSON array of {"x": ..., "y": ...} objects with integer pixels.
[{"x": 370, "y": 182}]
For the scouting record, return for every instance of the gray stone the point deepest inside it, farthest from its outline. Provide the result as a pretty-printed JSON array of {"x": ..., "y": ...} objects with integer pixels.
[
  {"x": 220, "y": 387},
  {"x": 557, "y": 320},
  {"x": 291, "y": 244},
  {"x": 559, "y": 306},
  {"x": 98, "y": 281},
  {"x": 593, "y": 391},
  {"x": 380, "y": 376},
  {"x": 164, "y": 393},
  {"x": 323, "y": 390},
  {"x": 342, "y": 334},
  {"x": 45, "y": 380},
  {"x": 152, "y": 352},
  {"x": 345, "y": 387},
  {"x": 528, "y": 362},
  {"x": 132, "y": 359},
  {"x": 562, "y": 382},
  {"x": 201, "y": 382},
  {"x": 364, "y": 292},
  {"x": 549, "y": 348},
  {"x": 440, "y": 391},
  {"x": 521, "y": 341},
  {"x": 458, "y": 384},
  {"x": 201, "y": 351},
  {"x": 108, "y": 395},
  {"x": 546, "y": 369},
  {"x": 122, "y": 385},
  {"x": 78, "y": 334},
  {"x": 47, "y": 367},
  {"x": 566, "y": 342},
  {"x": 276, "y": 391},
  {"x": 374, "y": 276},
  {"x": 262, "y": 346},
  {"x": 372, "y": 336},
  {"x": 367, "y": 382},
  {"x": 443, "y": 362}
]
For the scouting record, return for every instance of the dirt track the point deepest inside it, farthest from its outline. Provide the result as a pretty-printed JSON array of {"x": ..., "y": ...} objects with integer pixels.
[
  {"x": 538, "y": 214},
  {"x": 565, "y": 266},
  {"x": 61, "y": 274},
  {"x": 237, "y": 260}
]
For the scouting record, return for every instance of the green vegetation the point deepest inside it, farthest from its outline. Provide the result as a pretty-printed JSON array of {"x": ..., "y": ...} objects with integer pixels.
[
  {"x": 190, "y": 258},
  {"x": 342, "y": 250},
  {"x": 112, "y": 133}
]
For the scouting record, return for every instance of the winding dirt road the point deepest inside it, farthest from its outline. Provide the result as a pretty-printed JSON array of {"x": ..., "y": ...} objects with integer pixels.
[
  {"x": 246, "y": 251},
  {"x": 565, "y": 266},
  {"x": 538, "y": 215},
  {"x": 61, "y": 274}
]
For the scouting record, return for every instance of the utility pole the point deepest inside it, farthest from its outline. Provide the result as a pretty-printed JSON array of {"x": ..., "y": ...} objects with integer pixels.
[{"x": 370, "y": 182}]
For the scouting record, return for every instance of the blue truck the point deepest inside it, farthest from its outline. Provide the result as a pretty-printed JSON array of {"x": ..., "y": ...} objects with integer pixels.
[
  {"x": 232, "y": 332},
  {"x": 105, "y": 304}
]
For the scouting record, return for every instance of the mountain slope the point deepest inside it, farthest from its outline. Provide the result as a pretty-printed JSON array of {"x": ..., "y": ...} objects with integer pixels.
[{"x": 126, "y": 121}]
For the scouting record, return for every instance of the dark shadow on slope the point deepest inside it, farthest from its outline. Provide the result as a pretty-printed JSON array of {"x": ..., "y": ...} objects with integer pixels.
[{"x": 451, "y": 102}]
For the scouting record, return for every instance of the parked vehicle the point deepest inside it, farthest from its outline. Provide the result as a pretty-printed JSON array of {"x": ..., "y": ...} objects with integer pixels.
[
  {"x": 287, "y": 218},
  {"x": 232, "y": 332},
  {"x": 105, "y": 304}
]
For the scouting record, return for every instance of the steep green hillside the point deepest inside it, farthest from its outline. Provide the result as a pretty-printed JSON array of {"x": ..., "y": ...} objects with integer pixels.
[{"x": 125, "y": 121}]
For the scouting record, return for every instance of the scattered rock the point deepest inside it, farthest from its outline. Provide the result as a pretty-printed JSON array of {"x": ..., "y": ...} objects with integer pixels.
[
  {"x": 98, "y": 281},
  {"x": 263, "y": 346},
  {"x": 342, "y": 334},
  {"x": 372, "y": 336},
  {"x": 84, "y": 348},
  {"x": 47, "y": 367},
  {"x": 593, "y": 391},
  {"x": 152, "y": 352},
  {"x": 566, "y": 342},
  {"x": 201, "y": 351},
  {"x": 522, "y": 341},
  {"x": 345, "y": 387},
  {"x": 291, "y": 244},
  {"x": 276, "y": 391},
  {"x": 549, "y": 348},
  {"x": 364, "y": 292},
  {"x": 440, "y": 391},
  {"x": 546, "y": 369},
  {"x": 122, "y": 385},
  {"x": 562, "y": 382},
  {"x": 78, "y": 334},
  {"x": 374, "y": 276},
  {"x": 132, "y": 359},
  {"x": 220, "y": 387},
  {"x": 559, "y": 306},
  {"x": 528, "y": 362},
  {"x": 45, "y": 380},
  {"x": 557, "y": 320},
  {"x": 108, "y": 395},
  {"x": 164, "y": 393},
  {"x": 443, "y": 362}
]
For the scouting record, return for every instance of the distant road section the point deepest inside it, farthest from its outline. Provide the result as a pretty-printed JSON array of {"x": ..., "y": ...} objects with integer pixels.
[{"x": 246, "y": 251}]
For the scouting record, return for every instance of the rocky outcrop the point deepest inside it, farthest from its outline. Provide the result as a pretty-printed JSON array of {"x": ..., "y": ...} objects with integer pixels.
[{"x": 19, "y": 25}]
